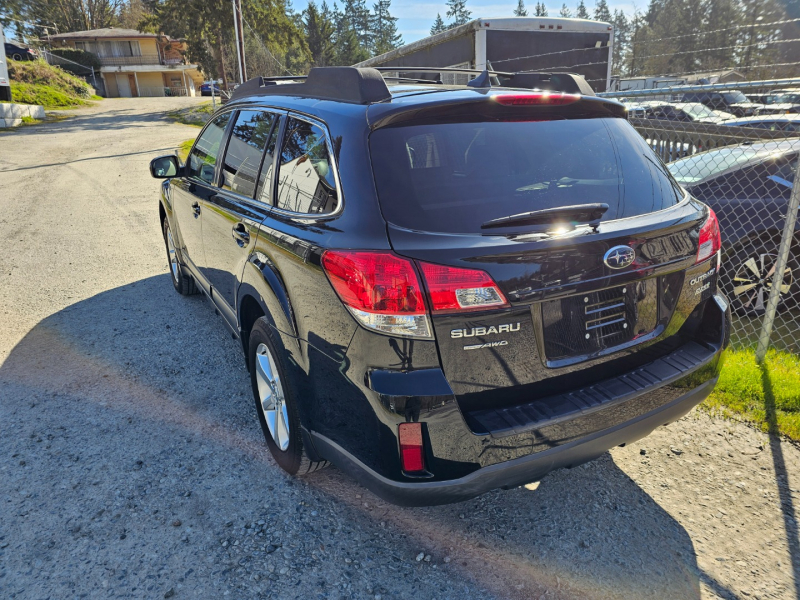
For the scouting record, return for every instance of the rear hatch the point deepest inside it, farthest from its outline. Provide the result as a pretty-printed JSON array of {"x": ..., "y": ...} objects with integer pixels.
[{"x": 582, "y": 293}]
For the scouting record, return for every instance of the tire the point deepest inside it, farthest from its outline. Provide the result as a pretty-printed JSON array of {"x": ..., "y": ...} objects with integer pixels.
[
  {"x": 747, "y": 279},
  {"x": 276, "y": 401},
  {"x": 16, "y": 56},
  {"x": 182, "y": 282}
]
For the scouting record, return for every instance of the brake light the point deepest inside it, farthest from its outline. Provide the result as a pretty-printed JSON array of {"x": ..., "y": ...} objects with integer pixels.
[
  {"x": 710, "y": 240},
  {"x": 454, "y": 289},
  {"x": 536, "y": 98},
  {"x": 380, "y": 289},
  {"x": 412, "y": 458}
]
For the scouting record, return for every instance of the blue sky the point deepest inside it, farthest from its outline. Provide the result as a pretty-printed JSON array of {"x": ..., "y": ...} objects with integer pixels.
[{"x": 416, "y": 17}]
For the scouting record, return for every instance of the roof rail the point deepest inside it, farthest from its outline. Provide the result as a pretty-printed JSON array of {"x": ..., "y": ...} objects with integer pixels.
[
  {"x": 367, "y": 85},
  {"x": 344, "y": 84}
]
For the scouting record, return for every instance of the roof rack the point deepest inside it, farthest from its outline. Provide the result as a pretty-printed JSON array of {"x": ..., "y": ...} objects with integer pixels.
[{"x": 367, "y": 85}]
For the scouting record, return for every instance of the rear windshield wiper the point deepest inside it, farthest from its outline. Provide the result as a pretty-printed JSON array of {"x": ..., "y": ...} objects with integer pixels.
[{"x": 583, "y": 213}]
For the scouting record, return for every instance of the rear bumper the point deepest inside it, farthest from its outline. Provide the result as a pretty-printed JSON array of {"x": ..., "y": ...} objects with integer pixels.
[{"x": 513, "y": 472}]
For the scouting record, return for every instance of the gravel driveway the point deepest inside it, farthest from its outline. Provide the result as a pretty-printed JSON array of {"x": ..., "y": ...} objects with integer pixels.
[{"x": 133, "y": 465}]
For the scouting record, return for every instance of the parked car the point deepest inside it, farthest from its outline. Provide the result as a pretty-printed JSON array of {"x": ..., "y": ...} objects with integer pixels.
[
  {"x": 686, "y": 112},
  {"x": 15, "y": 52},
  {"x": 446, "y": 289},
  {"x": 205, "y": 89},
  {"x": 733, "y": 102},
  {"x": 748, "y": 187},
  {"x": 782, "y": 102},
  {"x": 786, "y": 122}
]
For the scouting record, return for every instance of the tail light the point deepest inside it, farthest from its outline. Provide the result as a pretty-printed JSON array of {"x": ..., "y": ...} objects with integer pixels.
[
  {"x": 380, "y": 289},
  {"x": 412, "y": 458},
  {"x": 536, "y": 99},
  {"x": 710, "y": 240},
  {"x": 454, "y": 289}
]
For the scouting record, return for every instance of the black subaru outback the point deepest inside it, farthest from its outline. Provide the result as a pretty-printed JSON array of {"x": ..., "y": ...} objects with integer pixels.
[{"x": 446, "y": 289}]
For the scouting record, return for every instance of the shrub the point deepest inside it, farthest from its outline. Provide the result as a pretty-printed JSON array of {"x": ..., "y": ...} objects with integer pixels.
[{"x": 87, "y": 59}]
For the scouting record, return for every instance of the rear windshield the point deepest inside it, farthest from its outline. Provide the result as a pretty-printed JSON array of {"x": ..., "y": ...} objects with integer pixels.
[{"x": 452, "y": 177}]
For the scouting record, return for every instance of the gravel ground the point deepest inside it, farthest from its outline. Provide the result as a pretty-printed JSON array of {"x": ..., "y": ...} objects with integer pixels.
[{"x": 133, "y": 465}]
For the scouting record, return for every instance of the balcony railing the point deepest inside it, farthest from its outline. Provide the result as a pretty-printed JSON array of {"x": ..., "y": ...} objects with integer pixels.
[
  {"x": 150, "y": 92},
  {"x": 126, "y": 61}
]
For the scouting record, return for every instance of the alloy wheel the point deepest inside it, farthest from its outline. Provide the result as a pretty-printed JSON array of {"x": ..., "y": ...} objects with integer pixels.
[
  {"x": 271, "y": 397},
  {"x": 753, "y": 281}
]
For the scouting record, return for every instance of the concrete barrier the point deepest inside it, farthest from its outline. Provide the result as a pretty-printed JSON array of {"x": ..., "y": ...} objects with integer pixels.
[{"x": 11, "y": 114}]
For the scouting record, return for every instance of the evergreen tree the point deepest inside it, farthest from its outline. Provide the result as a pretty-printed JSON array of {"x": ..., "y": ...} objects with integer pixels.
[
  {"x": 349, "y": 50},
  {"x": 581, "y": 12},
  {"x": 384, "y": 28},
  {"x": 720, "y": 14},
  {"x": 457, "y": 12},
  {"x": 565, "y": 12},
  {"x": 601, "y": 11},
  {"x": 319, "y": 36},
  {"x": 438, "y": 25},
  {"x": 520, "y": 10},
  {"x": 621, "y": 40},
  {"x": 541, "y": 10},
  {"x": 357, "y": 14}
]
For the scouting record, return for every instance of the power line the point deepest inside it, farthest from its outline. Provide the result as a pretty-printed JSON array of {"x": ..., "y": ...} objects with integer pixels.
[{"x": 263, "y": 45}]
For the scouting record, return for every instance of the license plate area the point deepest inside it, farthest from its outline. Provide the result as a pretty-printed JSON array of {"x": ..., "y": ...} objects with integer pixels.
[{"x": 586, "y": 324}]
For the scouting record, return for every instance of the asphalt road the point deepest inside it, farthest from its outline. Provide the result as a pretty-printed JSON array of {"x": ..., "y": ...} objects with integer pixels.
[{"x": 132, "y": 464}]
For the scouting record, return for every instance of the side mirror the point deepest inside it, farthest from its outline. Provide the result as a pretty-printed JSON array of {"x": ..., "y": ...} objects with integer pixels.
[{"x": 164, "y": 167}]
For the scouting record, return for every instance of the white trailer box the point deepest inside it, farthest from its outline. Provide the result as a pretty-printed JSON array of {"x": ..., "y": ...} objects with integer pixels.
[
  {"x": 5, "y": 84},
  {"x": 512, "y": 44}
]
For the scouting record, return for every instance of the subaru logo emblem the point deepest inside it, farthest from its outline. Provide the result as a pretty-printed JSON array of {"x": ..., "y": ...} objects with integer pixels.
[{"x": 619, "y": 257}]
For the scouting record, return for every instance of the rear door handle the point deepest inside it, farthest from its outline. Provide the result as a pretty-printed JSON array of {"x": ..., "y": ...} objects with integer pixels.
[
  {"x": 240, "y": 234},
  {"x": 196, "y": 209}
]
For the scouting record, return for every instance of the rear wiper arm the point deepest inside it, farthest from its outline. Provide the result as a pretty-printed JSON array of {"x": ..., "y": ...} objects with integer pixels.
[{"x": 583, "y": 213}]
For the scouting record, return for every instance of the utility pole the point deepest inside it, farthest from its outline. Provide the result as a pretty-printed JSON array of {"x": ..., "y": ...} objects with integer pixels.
[{"x": 237, "y": 27}]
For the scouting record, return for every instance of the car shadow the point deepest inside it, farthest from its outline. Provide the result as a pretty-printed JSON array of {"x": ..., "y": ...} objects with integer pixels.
[{"x": 146, "y": 352}]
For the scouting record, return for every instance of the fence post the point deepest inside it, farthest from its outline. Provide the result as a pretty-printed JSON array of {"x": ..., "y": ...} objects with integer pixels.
[{"x": 780, "y": 267}]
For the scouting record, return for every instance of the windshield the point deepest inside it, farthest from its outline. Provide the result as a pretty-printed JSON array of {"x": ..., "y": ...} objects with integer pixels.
[
  {"x": 734, "y": 97},
  {"x": 452, "y": 177},
  {"x": 701, "y": 111},
  {"x": 708, "y": 164},
  {"x": 792, "y": 98}
]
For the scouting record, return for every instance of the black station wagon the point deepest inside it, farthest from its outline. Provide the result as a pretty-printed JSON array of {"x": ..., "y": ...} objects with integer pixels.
[{"x": 444, "y": 290}]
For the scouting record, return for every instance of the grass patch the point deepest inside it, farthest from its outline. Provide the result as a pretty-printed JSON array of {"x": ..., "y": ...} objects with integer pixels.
[
  {"x": 196, "y": 116},
  {"x": 767, "y": 395},
  {"x": 46, "y": 95},
  {"x": 31, "y": 121},
  {"x": 184, "y": 148}
]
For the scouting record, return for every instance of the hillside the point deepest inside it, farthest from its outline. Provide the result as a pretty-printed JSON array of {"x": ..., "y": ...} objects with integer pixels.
[{"x": 37, "y": 82}]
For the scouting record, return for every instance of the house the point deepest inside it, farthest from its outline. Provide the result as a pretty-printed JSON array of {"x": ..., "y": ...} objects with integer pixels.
[{"x": 133, "y": 63}]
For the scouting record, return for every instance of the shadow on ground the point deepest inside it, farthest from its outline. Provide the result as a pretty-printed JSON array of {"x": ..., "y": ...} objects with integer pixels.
[{"x": 154, "y": 359}]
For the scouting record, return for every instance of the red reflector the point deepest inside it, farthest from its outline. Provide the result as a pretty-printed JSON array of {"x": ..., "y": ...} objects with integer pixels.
[
  {"x": 453, "y": 289},
  {"x": 536, "y": 99},
  {"x": 411, "y": 455},
  {"x": 710, "y": 238},
  {"x": 375, "y": 282}
]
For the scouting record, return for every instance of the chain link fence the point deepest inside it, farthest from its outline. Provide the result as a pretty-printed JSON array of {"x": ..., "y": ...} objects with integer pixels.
[{"x": 735, "y": 147}]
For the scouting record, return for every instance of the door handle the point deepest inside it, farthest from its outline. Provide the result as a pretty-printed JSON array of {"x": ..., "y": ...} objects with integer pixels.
[
  {"x": 240, "y": 234},
  {"x": 196, "y": 209}
]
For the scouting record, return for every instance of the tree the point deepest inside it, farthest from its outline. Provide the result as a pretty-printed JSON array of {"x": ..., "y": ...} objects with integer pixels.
[
  {"x": 457, "y": 12},
  {"x": 319, "y": 36},
  {"x": 621, "y": 40},
  {"x": 384, "y": 28},
  {"x": 541, "y": 10},
  {"x": 349, "y": 50},
  {"x": 565, "y": 12},
  {"x": 581, "y": 12},
  {"x": 357, "y": 14},
  {"x": 438, "y": 25},
  {"x": 520, "y": 10},
  {"x": 207, "y": 27},
  {"x": 601, "y": 12},
  {"x": 65, "y": 15}
]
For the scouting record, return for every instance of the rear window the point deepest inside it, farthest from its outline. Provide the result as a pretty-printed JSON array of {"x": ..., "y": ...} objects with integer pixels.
[
  {"x": 710, "y": 164},
  {"x": 452, "y": 177}
]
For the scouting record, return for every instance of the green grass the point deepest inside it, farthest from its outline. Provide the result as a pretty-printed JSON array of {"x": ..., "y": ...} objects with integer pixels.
[
  {"x": 31, "y": 121},
  {"x": 184, "y": 148},
  {"x": 767, "y": 395},
  {"x": 194, "y": 115},
  {"x": 46, "y": 95}
]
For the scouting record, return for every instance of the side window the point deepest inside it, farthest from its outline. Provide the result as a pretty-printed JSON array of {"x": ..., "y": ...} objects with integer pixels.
[
  {"x": 305, "y": 175},
  {"x": 249, "y": 137},
  {"x": 264, "y": 189},
  {"x": 203, "y": 158}
]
